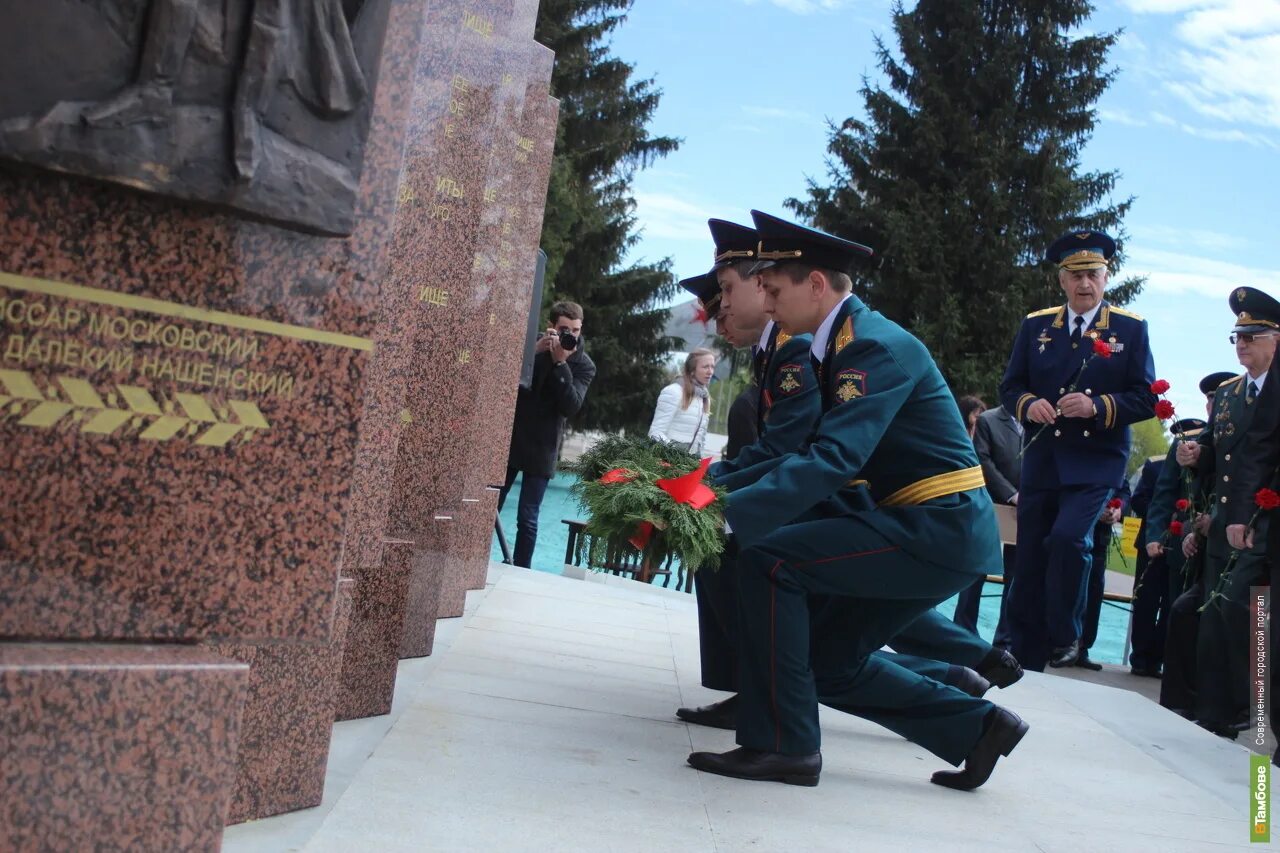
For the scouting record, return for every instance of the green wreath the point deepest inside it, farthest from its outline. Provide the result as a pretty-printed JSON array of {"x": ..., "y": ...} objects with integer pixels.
[{"x": 619, "y": 485}]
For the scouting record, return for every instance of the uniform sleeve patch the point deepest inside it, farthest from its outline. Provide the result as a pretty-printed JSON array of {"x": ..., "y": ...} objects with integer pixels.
[
  {"x": 790, "y": 378},
  {"x": 850, "y": 383}
]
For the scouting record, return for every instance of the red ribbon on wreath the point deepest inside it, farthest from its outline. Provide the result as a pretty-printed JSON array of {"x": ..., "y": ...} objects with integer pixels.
[{"x": 687, "y": 489}]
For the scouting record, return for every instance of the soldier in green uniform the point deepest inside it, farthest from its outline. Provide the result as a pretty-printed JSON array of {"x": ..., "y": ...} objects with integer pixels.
[
  {"x": 889, "y": 423},
  {"x": 788, "y": 406},
  {"x": 1222, "y": 649}
]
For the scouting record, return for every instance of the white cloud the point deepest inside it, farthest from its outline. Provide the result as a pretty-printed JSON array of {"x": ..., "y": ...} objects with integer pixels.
[
  {"x": 670, "y": 217},
  {"x": 1228, "y": 63},
  {"x": 1199, "y": 239},
  {"x": 1218, "y": 134},
  {"x": 1175, "y": 273},
  {"x": 1121, "y": 117},
  {"x": 778, "y": 113}
]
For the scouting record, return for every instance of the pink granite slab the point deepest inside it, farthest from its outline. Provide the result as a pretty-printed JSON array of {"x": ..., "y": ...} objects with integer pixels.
[
  {"x": 421, "y": 611},
  {"x": 372, "y": 652},
  {"x": 180, "y": 401},
  {"x": 287, "y": 720},
  {"x": 116, "y": 746}
]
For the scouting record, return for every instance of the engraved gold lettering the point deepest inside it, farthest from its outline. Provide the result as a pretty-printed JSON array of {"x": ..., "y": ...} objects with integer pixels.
[
  {"x": 446, "y": 186},
  {"x": 433, "y": 295},
  {"x": 477, "y": 24},
  {"x": 13, "y": 348}
]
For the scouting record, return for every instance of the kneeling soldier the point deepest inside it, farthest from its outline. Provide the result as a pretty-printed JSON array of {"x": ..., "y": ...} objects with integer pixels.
[{"x": 889, "y": 420}]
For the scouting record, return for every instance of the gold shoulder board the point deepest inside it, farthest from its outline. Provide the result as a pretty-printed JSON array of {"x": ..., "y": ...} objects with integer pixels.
[
  {"x": 1044, "y": 312},
  {"x": 1224, "y": 383},
  {"x": 846, "y": 334},
  {"x": 1124, "y": 313}
]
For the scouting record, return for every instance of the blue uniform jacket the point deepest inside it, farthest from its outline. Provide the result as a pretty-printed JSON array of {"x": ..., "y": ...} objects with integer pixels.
[
  {"x": 1044, "y": 364},
  {"x": 1172, "y": 483},
  {"x": 789, "y": 403},
  {"x": 1144, "y": 493},
  {"x": 889, "y": 420}
]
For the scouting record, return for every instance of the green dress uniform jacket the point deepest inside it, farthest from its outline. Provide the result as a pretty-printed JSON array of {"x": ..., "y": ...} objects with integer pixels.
[
  {"x": 1222, "y": 649},
  {"x": 890, "y": 425}
]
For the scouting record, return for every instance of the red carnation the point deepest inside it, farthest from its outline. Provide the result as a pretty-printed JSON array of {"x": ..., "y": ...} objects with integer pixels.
[
  {"x": 1159, "y": 386},
  {"x": 1164, "y": 409},
  {"x": 1101, "y": 348},
  {"x": 1182, "y": 505},
  {"x": 617, "y": 475},
  {"x": 1175, "y": 528},
  {"x": 1115, "y": 503},
  {"x": 700, "y": 316},
  {"x": 1267, "y": 499}
]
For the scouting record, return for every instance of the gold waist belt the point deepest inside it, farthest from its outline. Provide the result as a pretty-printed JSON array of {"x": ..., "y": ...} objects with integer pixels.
[{"x": 936, "y": 486}]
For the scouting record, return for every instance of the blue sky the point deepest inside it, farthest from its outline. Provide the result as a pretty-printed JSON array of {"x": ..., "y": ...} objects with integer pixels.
[{"x": 1191, "y": 123}]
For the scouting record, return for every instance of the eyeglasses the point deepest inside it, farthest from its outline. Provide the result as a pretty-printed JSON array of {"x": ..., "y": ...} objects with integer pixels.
[{"x": 1247, "y": 337}]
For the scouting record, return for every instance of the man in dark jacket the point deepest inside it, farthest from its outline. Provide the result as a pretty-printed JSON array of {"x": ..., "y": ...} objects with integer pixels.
[
  {"x": 998, "y": 440},
  {"x": 561, "y": 374}
]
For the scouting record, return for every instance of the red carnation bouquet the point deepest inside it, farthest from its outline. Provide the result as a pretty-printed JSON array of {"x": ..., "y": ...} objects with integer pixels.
[{"x": 1163, "y": 408}]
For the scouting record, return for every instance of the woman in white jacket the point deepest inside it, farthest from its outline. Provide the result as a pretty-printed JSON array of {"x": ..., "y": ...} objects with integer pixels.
[{"x": 683, "y": 406}]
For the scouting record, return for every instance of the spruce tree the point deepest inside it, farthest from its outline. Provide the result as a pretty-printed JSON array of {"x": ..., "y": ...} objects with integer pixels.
[
  {"x": 966, "y": 167},
  {"x": 590, "y": 222}
]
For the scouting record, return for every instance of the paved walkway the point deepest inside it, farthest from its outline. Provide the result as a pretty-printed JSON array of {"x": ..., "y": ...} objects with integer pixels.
[{"x": 544, "y": 723}]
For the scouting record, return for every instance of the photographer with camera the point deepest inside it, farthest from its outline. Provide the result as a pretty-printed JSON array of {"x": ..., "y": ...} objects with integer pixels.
[{"x": 561, "y": 373}]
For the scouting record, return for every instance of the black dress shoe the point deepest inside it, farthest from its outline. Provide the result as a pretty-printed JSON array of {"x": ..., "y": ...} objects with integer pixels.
[
  {"x": 1146, "y": 671},
  {"x": 718, "y": 715},
  {"x": 744, "y": 763},
  {"x": 1000, "y": 668},
  {"x": 1084, "y": 663},
  {"x": 963, "y": 678},
  {"x": 1065, "y": 655},
  {"x": 1003, "y": 732},
  {"x": 1219, "y": 729}
]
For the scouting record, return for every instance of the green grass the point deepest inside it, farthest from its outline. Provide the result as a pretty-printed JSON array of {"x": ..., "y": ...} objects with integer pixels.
[{"x": 1117, "y": 562}]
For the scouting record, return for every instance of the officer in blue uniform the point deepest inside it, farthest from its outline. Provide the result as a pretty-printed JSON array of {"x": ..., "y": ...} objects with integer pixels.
[
  {"x": 1076, "y": 407},
  {"x": 890, "y": 424}
]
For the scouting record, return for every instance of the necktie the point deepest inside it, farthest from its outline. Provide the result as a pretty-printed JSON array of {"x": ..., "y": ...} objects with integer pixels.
[
  {"x": 1252, "y": 394},
  {"x": 1075, "y": 333},
  {"x": 758, "y": 356}
]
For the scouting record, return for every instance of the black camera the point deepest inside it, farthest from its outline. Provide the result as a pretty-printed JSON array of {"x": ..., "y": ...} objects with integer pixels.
[{"x": 568, "y": 341}]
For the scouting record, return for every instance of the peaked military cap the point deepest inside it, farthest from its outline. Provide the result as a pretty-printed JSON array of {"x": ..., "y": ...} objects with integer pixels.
[
  {"x": 1211, "y": 382},
  {"x": 706, "y": 288},
  {"x": 734, "y": 242},
  {"x": 1187, "y": 425},
  {"x": 1255, "y": 311},
  {"x": 1082, "y": 250},
  {"x": 782, "y": 242}
]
